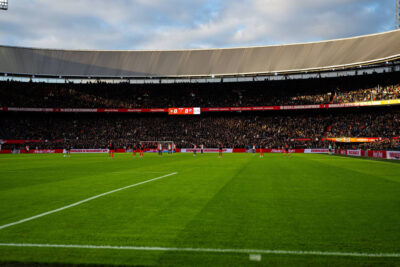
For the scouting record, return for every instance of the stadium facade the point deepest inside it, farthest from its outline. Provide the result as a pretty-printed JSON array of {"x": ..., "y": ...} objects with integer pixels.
[
  {"x": 344, "y": 91},
  {"x": 234, "y": 210},
  {"x": 375, "y": 51}
]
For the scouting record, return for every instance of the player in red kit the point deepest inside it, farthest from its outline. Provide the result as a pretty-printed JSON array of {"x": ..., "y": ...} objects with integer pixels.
[
  {"x": 134, "y": 148},
  {"x": 111, "y": 150},
  {"x": 141, "y": 149},
  {"x": 287, "y": 151},
  {"x": 261, "y": 151},
  {"x": 174, "y": 148},
  {"x": 194, "y": 150},
  {"x": 220, "y": 151}
]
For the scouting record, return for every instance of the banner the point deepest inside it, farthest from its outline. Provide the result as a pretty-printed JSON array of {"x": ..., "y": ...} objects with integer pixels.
[
  {"x": 299, "y": 107},
  {"x": 89, "y": 151},
  {"x": 86, "y": 110},
  {"x": 370, "y": 153},
  {"x": 272, "y": 150},
  {"x": 195, "y": 110},
  {"x": 393, "y": 155},
  {"x": 354, "y": 153},
  {"x": 317, "y": 151},
  {"x": 25, "y": 141},
  {"x": 341, "y": 152},
  {"x": 43, "y": 151},
  {"x": 377, "y": 154},
  {"x": 353, "y": 140}
]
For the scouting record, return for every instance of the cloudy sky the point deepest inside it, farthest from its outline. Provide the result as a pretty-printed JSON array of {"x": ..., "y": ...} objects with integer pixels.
[{"x": 176, "y": 24}]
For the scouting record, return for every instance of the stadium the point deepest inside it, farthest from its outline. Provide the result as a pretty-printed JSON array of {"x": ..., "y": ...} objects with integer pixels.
[{"x": 283, "y": 155}]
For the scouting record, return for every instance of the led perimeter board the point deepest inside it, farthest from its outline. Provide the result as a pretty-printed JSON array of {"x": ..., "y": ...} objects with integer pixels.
[{"x": 184, "y": 111}]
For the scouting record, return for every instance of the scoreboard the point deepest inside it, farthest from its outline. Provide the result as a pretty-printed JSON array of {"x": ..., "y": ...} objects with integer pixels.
[{"x": 184, "y": 111}]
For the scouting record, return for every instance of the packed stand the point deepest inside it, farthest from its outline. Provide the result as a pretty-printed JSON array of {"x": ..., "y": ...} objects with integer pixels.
[
  {"x": 371, "y": 94},
  {"x": 291, "y": 92},
  {"x": 272, "y": 130}
]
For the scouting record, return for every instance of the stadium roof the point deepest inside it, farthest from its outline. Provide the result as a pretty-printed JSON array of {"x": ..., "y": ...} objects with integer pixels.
[{"x": 293, "y": 58}]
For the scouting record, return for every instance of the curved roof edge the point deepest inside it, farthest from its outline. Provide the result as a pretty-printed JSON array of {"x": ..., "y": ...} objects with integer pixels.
[{"x": 291, "y": 58}]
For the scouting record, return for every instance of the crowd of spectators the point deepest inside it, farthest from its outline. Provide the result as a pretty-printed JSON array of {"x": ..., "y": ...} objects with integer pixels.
[
  {"x": 386, "y": 144},
  {"x": 366, "y": 125},
  {"x": 371, "y": 94},
  {"x": 271, "y": 130},
  {"x": 13, "y": 94}
]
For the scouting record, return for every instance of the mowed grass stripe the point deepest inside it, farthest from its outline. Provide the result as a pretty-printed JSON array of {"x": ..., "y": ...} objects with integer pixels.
[
  {"x": 243, "y": 208},
  {"x": 380, "y": 169},
  {"x": 152, "y": 215},
  {"x": 68, "y": 185},
  {"x": 164, "y": 208},
  {"x": 28, "y": 172},
  {"x": 82, "y": 201},
  {"x": 285, "y": 203}
]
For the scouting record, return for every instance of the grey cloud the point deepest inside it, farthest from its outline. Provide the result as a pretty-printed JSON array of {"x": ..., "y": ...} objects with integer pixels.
[{"x": 175, "y": 24}]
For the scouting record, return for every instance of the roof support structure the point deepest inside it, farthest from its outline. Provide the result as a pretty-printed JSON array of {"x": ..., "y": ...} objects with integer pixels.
[{"x": 331, "y": 55}]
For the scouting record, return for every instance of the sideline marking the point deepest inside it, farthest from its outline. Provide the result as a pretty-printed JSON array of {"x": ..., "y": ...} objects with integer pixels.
[
  {"x": 212, "y": 250},
  {"x": 138, "y": 171},
  {"x": 83, "y": 201}
]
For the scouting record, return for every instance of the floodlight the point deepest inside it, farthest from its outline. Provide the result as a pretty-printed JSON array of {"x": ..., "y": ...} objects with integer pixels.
[{"x": 4, "y": 4}]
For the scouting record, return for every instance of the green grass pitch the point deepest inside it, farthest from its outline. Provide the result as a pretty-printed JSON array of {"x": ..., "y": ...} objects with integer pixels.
[{"x": 303, "y": 203}]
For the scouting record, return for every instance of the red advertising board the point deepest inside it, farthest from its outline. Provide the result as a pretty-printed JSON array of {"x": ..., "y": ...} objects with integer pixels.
[
  {"x": 370, "y": 153},
  {"x": 393, "y": 155},
  {"x": 45, "y": 151},
  {"x": 377, "y": 154},
  {"x": 86, "y": 110},
  {"x": 91, "y": 150},
  {"x": 353, "y": 140},
  {"x": 186, "y": 111},
  {"x": 354, "y": 153},
  {"x": 345, "y": 152}
]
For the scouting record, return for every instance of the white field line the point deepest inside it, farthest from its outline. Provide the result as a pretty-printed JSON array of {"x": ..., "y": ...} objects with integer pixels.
[
  {"x": 212, "y": 250},
  {"x": 83, "y": 201},
  {"x": 138, "y": 171}
]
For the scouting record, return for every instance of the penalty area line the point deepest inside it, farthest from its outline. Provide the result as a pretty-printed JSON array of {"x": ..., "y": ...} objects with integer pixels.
[
  {"x": 211, "y": 250},
  {"x": 83, "y": 201}
]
